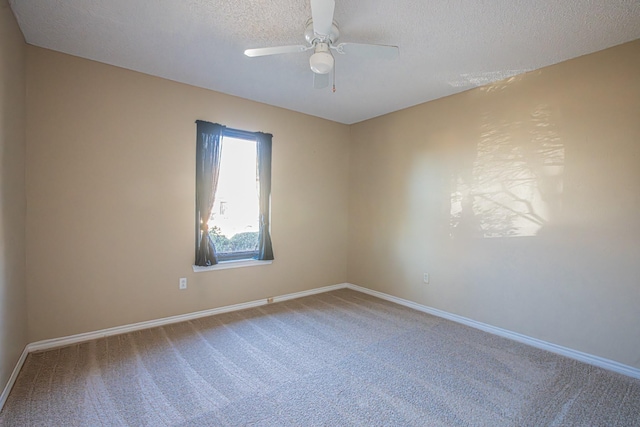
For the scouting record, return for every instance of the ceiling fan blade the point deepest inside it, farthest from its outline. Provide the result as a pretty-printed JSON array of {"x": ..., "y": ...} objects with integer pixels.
[
  {"x": 263, "y": 51},
  {"x": 322, "y": 16},
  {"x": 320, "y": 81},
  {"x": 369, "y": 50}
]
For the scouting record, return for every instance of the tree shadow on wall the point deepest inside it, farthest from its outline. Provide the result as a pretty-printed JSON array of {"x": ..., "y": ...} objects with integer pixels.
[{"x": 514, "y": 185}]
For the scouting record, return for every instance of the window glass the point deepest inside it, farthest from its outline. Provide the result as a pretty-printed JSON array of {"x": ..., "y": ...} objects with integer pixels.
[{"x": 234, "y": 222}]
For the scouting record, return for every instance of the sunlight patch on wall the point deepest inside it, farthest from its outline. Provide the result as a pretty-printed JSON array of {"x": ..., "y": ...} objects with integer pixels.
[
  {"x": 514, "y": 185},
  {"x": 468, "y": 80}
]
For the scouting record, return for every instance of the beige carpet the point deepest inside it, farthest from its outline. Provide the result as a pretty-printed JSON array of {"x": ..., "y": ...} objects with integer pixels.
[{"x": 335, "y": 359}]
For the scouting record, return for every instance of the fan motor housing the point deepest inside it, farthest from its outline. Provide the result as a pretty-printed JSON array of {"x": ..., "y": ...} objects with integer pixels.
[{"x": 312, "y": 38}]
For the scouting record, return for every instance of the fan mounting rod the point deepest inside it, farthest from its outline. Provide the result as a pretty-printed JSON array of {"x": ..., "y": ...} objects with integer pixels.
[{"x": 314, "y": 38}]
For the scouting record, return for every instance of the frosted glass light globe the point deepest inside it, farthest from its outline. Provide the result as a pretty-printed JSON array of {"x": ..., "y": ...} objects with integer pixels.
[{"x": 321, "y": 62}]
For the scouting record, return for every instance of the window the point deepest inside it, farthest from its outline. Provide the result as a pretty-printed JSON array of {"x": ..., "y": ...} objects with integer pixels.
[
  {"x": 233, "y": 188},
  {"x": 234, "y": 223}
]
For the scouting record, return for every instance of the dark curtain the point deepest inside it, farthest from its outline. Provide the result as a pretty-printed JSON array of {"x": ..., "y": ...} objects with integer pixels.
[
  {"x": 208, "y": 150},
  {"x": 265, "y": 252}
]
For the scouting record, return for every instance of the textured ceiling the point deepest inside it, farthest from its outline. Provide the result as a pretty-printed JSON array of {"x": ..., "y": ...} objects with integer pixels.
[{"x": 445, "y": 46}]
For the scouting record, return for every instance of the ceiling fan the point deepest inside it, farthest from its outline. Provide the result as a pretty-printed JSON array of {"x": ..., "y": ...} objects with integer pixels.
[{"x": 321, "y": 34}]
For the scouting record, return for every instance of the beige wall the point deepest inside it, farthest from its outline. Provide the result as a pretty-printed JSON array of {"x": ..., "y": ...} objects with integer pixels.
[
  {"x": 552, "y": 251},
  {"x": 110, "y": 195},
  {"x": 13, "y": 310},
  {"x": 546, "y": 239}
]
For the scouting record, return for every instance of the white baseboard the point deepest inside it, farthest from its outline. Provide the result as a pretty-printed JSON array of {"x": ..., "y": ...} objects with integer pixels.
[
  {"x": 88, "y": 336},
  {"x": 600, "y": 362},
  {"x": 12, "y": 378}
]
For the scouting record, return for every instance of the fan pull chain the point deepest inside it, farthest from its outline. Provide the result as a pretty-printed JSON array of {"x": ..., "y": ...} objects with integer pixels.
[{"x": 334, "y": 75}]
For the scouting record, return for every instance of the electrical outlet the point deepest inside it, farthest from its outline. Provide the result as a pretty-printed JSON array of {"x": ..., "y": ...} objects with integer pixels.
[
  {"x": 269, "y": 300},
  {"x": 425, "y": 278},
  {"x": 183, "y": 283}
]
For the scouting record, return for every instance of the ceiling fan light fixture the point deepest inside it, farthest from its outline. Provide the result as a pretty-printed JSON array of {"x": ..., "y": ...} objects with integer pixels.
[{"x": 321, "y": 61}]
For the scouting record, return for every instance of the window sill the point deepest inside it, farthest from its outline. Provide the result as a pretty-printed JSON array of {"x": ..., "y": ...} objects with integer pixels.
[{"x": 224, "y": 265}]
